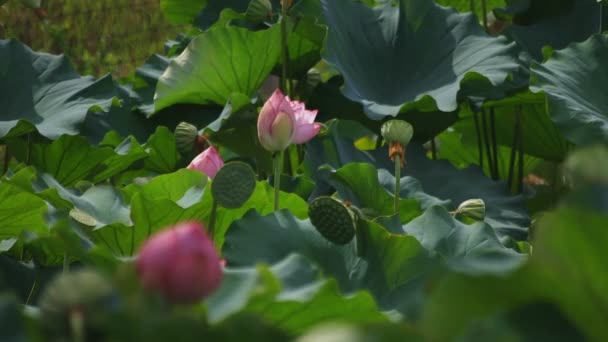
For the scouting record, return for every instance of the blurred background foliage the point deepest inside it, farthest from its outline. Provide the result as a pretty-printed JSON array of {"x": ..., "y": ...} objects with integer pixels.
[{"x": 99, "y": 36}]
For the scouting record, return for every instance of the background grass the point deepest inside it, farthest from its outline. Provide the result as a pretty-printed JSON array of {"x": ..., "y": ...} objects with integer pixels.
[{"x": 99, "y": 36}]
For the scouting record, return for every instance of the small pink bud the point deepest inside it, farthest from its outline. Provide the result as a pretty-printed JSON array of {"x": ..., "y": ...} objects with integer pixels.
[
  {"x": 283, "y": 122},
  {"x": 181, "y": 263},
  {"x": 208, "y": 162}
]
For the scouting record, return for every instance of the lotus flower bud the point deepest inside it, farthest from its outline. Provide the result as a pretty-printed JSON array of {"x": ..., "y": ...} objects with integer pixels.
[
  {"x": 185, "y": 136},
  {"x": 397, "y": 131},
  {"x": 181, "y": 263},
  {"x": 208, "y": 162},
  {"x": 283, "y": 122},
  {"x": 474, "y": 209}
]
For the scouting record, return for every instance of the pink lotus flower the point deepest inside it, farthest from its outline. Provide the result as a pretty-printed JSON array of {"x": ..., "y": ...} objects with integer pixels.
[
  {"x": 181, "y": 263},
  {"x": 283, "y": 122},
  {"x": 208, "y": 162}
]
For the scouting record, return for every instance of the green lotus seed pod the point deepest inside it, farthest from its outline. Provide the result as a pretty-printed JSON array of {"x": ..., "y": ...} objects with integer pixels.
[
  {"x": 185, "y": 136},
  {"x": 587, "y": 166},
  {"x": 397, "y": 131},
  {"x": 474, "y": 209},
  {"x": 233, "y": 184},
  {"x": 84, "y": 294},
  {"x": 258, "y": 10},
  {"x": 333, "y": 220}
]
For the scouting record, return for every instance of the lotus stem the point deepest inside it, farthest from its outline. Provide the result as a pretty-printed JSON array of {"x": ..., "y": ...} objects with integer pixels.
[
  {"x": 66, "y": 262},
  {"x": 284, "y": 49},
  {"x": 495, "y": 173},
  {"x": 601, "y": 23},
  {"x": 486, "y": 138},
  {"x": 484, "y": 19},
  {"x": 212, "y": 218},
  {"x": 397, "y": 182},
  {"x": 77, "y": 325},
  {"x": 479, "y": 140},
  {"x": 277, "y": 179},
  {"x": 7, "y": 159},
  {"x": 33, "y": 289}
]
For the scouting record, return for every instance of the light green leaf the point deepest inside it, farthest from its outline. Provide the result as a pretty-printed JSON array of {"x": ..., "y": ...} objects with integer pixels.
[
  {"x": 290, "y": 295},
  {"x": 358, "y": 183},
  {"x": 21, "y": 211},
  {"x": 182, "y": 11},
  {"x": 217, "y": 64}
]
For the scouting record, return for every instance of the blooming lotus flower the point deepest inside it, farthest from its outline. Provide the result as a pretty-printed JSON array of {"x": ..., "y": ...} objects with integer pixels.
[
  {"x": 208, "y": 162},
  {"x": 181, "y": 263},
  {"x": 283, "y": 122}
]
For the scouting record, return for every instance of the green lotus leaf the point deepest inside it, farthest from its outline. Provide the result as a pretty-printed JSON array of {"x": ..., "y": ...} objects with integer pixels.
[
  {"x": 42, "y": 92},
  {"x": 573, "y": 80},
  {"x": 217, "y": 64},
  {"x": 211, "y": 13},
  {"x": 182, "y": 11},
  {"x": 437, "y": 178},
  {"x": 290, "y": 294},
  {"x": 385, "y": 264},
  {"x": 548, "y": 23},
  {"x": 473, "y": 248},
  {"x": 162, "y": 151},
  {"x": 391, "y": 56},
  {"x": 358, "y": 183},
  {"x": 568, "y": 255},
  {"x": 21, "y": 211}
]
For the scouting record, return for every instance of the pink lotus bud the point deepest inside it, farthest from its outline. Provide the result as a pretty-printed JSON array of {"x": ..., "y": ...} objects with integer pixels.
[
  {"x": 283, "y": 122},
  {"x": 208, "y": 162},
  {"x": 181, "y": 263}
]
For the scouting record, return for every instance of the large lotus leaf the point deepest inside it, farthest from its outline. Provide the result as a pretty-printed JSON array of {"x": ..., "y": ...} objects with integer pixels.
[
  {"x": 556, "y": 30},
  {"x": 473, "y": 248},
  {"x": 261, "y": 200},
  {"x": 379, "y": 261},
  {"x": 210, "y": 14},
  {"x": 42, "y": 91},
  {"x": 505, "y": 213},
  {"x": 289, "y": 294},
  {"x": 142, "y": 93},
  {"x": 358, "y": 183},
  {"x": 69, "y": 159},
  {"x": 423, "y": 116},
  {"x": 465, "y": 5},
  {"x": 573, "y": 80},
  {"x": 21, "y": 211},
  {"x": 392, "y": 56},
  {"x": 182, "y": 11},
  {"x": 162, "y": 151},
  {"x": 217, "y": 64},
  {"x": 172, "y": 186},
  {"x": 567, "y": 271}
]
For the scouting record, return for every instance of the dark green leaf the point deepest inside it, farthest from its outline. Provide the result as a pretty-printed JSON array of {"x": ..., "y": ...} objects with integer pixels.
[{"x": 372, "y": 48}]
